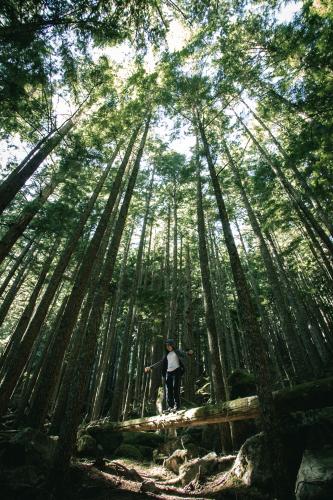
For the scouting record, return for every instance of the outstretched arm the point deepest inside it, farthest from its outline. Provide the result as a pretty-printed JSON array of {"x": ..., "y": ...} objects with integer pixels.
[{"x": 149, "y": 368}]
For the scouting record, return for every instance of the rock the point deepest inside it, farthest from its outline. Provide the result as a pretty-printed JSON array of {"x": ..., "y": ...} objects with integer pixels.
[
  {"x": 170, "y": 446},
  {"x": 28, "y": 447},
  {"x": 195, "y": 451},
  {"x": 241, "y": 384},
  {"x": 315, "y": 475},
  {"x": 176, "y": 460},
  {"x": 251, "y": 464},
  {"x": 128, "y": 451},
  {"x": 109, "y": 440},
  {"x": 87, "y": 446},
  {"x": 149, "y": 486},
  {"x": 204, "y": 466}
]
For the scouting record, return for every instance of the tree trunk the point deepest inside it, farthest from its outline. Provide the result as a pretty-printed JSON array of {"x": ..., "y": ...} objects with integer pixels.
[
  {"x": 292, "y": 193},
  {"x": 28, "y": 311},
  {"x": 18, "y": 362},
  {"x": 71, "y": 421},
  {"x": 300, "y": 364},
  {"x": 219, "y": 374},
  {"x": 52, "y": 366},
  {"x": 259, "y": 357},
  {"x": 11, "y": 294},
  {"x": 189, "y": 378},
  {"x": 123, "y": 365},
  {"x": 111, "y": 330},
  {"x": 298, "y": 175},
  {"x": 15, "y": 266},
  {"x": 311, "y": 395},
  {"x": 17, "y": 229},
  {"x": 11, "y": 186}
]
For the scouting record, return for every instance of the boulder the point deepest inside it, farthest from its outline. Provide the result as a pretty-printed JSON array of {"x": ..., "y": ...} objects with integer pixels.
[
  {"x": 315, "y": 476},
  {"x": 149, "y": 486},
  {"x": 28, "y": 447},
  {"x": 109, "y": 440},
  {"x": 177, "y": 458},
  {"x": 241, "y": 384},
  {"x": 204, "y": 466},
  {"x": 170, "y": 446},
  {"x": 87, "y": 446},
  {"x": 251, "y": 464}
]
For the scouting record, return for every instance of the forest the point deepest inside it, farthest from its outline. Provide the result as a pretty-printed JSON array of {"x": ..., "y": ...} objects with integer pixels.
[{"x": 166, "y": 202}]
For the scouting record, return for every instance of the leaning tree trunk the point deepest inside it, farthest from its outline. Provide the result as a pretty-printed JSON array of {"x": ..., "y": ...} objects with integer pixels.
[
  {"x": 14, "y": 182},
  {"x": 308, "y": 191},
  {"x": 28, "y": 311},
  {"x": 17, "y": 229},
  {"x": 16, "y": 265},
  {"x": 78, "y": 338},
  {"x": 52, "y": 366},
  {"x": 12, "y": 292},
  {"x": 111, "y": 330},
  {"x": 292, "y": 193},
  {"x": 18, "y": 362},
  {"x": 71, "y": 421},
  {"x": 124, "y": 356}
]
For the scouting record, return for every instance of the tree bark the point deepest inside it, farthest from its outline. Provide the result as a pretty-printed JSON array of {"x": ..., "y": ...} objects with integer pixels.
[
  {"x": 300, "y": 364},
  {"x": 292, "y": 193},
  {"x": 17, "y": 229},
  {"x": 18, "y": 362},
  {"x": 312, "y": 395},
  {"x": 71, "y": 421},
  {"x": 52, "y": 366},
  {"x": 11, "y": 186},
  {"x": 219, "y": 374}
]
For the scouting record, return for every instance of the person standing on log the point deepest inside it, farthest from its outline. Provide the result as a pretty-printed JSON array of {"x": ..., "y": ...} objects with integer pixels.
[{"x": 172, "y": 370}]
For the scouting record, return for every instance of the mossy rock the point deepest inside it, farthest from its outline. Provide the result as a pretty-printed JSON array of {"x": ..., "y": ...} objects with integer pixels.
[
  {"x": 128, "y": 451},
  {"x": 241, "y": 384},
  {"x": 109, "y": 440},
  {"x": 86, "y": 446},
  {"x": 143, "y": 439}
]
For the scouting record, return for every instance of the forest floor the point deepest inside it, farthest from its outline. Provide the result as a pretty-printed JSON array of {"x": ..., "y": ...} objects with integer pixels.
[{"x": 129, "y": 479}]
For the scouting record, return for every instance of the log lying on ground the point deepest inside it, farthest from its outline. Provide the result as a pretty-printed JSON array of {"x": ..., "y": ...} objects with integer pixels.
[{"x": 317, "y": 394}]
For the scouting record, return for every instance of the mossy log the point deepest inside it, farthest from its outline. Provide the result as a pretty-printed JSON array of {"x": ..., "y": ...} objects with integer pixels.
[{"x": 317, "y": 394}]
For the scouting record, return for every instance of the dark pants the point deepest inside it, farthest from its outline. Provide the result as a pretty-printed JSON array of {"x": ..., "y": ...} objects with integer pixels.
[{"x": 172, "y": 384}]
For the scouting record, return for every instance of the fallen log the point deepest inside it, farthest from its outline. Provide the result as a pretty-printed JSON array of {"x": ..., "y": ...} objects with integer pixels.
[{"x": 311, "y": 395}]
